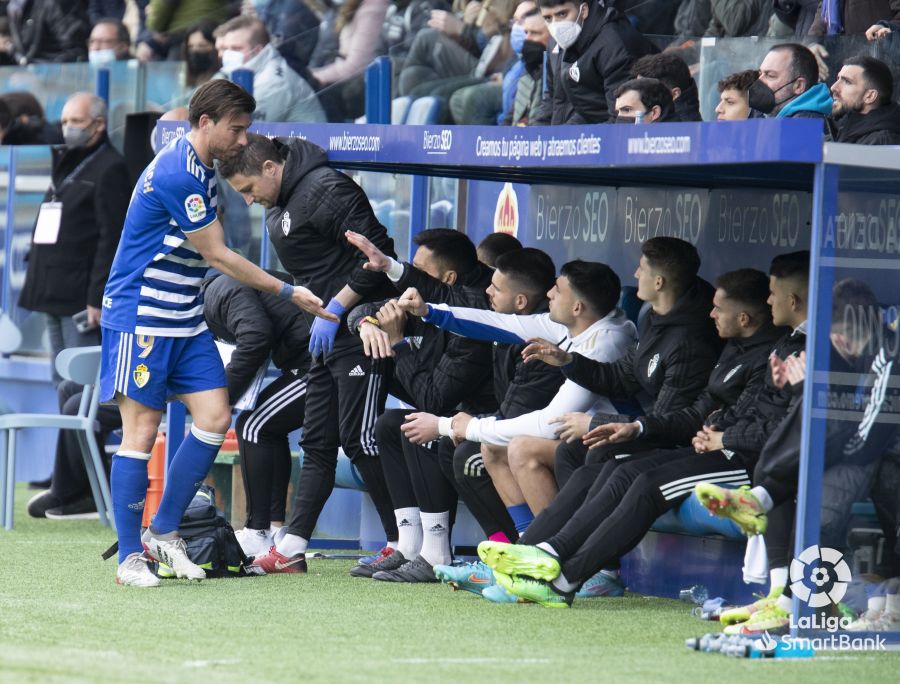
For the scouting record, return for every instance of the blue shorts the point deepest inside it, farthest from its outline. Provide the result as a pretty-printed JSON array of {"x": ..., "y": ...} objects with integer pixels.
[{"x": 151, "y": 369}]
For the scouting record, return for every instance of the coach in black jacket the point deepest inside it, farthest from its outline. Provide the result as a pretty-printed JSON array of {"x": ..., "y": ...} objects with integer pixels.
[
  {"x": 309, "y": 206},
  {"x": 67, "y": 271},
  {"x": 260, "y": 324},
  {"x": 582, "y": 78}
]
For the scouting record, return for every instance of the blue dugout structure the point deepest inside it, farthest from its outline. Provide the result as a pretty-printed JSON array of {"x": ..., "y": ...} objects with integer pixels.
[{"x": 742, "y": 192}]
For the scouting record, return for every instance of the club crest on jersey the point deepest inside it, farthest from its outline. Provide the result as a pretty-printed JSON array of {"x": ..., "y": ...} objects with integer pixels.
[
  {"x": 195, "y": 208},
  {"x": 574, "y": 72},
  {"x": 732, "y": 372},
  {"x": 286, "y": 222},
  {"x": 654, "y": 362},
  {"x": 141, "y": 375}
]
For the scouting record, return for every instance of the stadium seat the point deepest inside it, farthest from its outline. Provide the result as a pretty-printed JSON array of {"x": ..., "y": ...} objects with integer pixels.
[
  {"x": 424, "y": 111},
  {"x": 692, "y": 518},
  {"x": 630, "y": 304},
  {"x": 81, "y": 365},
  {"x": 400, "y": 109}
]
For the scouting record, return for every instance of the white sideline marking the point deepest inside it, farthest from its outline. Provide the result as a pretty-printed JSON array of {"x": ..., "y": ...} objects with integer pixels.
[
  {"x": 472, "y": 661},
  {"x": 207, "y": 663}
]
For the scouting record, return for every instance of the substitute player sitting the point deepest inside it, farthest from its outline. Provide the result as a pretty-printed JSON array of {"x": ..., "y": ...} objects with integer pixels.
[{"x": 155, "y": 341}]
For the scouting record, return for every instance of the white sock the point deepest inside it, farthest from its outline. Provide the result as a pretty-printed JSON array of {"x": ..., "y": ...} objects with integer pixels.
[
  {"x": 436, "y": 538},
  {"x": 290, "y": 545},
  {"x": 892, "y": 604},
  {"x": 564, "y": 585},
  {"x": 614, "y": 573},
  {"x": 876, "y": 604},
  {"x": 763, "y": 497},
  {"x": 777, "y": 578},
  {"x": 409, "y": 526},
  {"x": 785, "y": 603},
  {"x": 544, "y": 546},
  {"x": 391, "y": 544}
]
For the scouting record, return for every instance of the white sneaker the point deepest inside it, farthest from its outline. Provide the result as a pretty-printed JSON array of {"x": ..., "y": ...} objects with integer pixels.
[
  {"x": 133, "y": 572},
  {"x": 875, "y": 621},
  {"x": 171, "y": 550},
  {"x": 254, "y": 542}
]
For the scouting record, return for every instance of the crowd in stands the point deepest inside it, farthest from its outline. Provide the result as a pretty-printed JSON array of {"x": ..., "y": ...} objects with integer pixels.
[
  {"x": 566, "y": 426},
  {"x": 534, "y": 62}
]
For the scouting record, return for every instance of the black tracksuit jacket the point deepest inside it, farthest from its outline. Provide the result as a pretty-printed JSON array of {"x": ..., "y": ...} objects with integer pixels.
[{"x": 668, "y": 368}]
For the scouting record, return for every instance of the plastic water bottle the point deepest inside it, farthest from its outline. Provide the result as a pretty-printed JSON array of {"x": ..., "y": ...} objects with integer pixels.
[{"x": 696, "y": 594}]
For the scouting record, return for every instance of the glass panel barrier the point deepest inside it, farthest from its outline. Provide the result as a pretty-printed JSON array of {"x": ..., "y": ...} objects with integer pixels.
[{"x": 845, "y": 573}]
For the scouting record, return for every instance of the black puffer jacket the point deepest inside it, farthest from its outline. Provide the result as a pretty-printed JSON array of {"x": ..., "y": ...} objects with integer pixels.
[
  {"x": 878, "y": 127},
  {"x": 50, "y": 31},
  {"x": 259, "y": 324},
  {"x": 687, "y": 106},
  {"x": 436, "y": 371},
  {"x": 316, "y": 206},
  {"x": 519, "y": 387},
  {"x": 582, "y": 81},
  {"x": 670, "y": 365},
  {"x": 64, "y": 277},
  {"x": 749, "y": 433},
  {"x": 732, "y": 387}
]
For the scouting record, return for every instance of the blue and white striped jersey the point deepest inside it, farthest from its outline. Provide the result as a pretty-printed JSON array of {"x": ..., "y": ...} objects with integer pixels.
[{"x": 154, "y": 284}]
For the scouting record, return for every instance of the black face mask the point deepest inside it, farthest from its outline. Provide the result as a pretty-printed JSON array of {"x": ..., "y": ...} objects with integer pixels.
[
  {"x": 532, "y": 54},
  {"x": 200, "y": 62},
  {"x": 762, "y": 98}
]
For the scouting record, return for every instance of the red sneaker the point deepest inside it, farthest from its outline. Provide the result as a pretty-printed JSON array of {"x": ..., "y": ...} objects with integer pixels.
[{"x": 274, "y": 562}]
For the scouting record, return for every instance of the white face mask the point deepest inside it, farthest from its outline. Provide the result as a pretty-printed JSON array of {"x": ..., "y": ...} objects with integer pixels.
[
  {"x": 565, "y": 33},
  {"x": 101, "y": 57},
  {"x": 232, "y": 59}
]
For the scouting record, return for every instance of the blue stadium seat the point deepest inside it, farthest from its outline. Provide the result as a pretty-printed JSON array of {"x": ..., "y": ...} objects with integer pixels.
[
  {"x": 441, "y": 211},
  {"x": 400, "y": 109},
  {"x": 424, "y": 111},
  {"x": 692, "y": 518},
  {"x": 629, "y": 303}
]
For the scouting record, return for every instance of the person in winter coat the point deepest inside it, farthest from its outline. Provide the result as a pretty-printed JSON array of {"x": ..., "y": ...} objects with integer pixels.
[
  {"x": 595, "y": 46},
  {"x": 73, "y": 246},
  {"x": 48, "y": 30},
  {"x": 789, "y": 87},
  {"x": 864, "y": 109},
  {"x": 310, "y": 207},
  {"x": 261, "y": 325},
  {"x": 281, "y": 94}
]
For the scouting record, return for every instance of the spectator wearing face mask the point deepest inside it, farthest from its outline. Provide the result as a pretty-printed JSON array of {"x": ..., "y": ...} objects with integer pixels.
[
  {"x": 644, "y": 100},
  {"x": 491, "y": 102},
  {"x": 109, "y": 42},
  {"x": 26, "y": 122},
  {"x": 78, "y": 228},
  {"x": 530, "y": 87},
  {"x": 200, "y": 57},
  {"x": 863, "y": 109},
  {"x": 788, "y": 86},
  {"x": 281, "y": 94},
  {"x": 595, "y": 46},
  {"x": 733, "y": 100}
]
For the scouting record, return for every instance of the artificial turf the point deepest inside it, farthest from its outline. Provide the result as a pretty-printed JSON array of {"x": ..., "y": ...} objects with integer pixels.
[{"x": 63, "y": 619}]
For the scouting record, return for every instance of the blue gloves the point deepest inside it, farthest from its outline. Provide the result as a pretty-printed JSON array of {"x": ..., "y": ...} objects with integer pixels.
[{"x": 322, "y": 332}]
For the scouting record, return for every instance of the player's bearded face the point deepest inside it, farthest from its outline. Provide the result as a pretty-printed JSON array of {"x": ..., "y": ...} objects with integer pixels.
[{"x": 228, "y": 135}]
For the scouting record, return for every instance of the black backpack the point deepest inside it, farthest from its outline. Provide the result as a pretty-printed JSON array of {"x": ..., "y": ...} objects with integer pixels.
[{"x": 210, "y": 540}]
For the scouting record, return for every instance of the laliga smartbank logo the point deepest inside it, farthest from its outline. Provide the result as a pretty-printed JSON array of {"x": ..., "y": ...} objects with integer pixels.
[
  {"x": 506, "y": 214},
  {"x": 820, "y": 577}
]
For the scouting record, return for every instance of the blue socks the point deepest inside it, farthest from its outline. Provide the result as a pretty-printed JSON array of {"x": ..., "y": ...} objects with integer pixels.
[
  {"x": 186, "y": 473},
  {"x": 521, "y": 516},
  {"x": 128, "y": 481}
]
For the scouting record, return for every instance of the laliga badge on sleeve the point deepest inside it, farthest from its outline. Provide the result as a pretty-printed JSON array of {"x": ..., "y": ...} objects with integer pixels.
[{"x": 46, "y": 231}]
